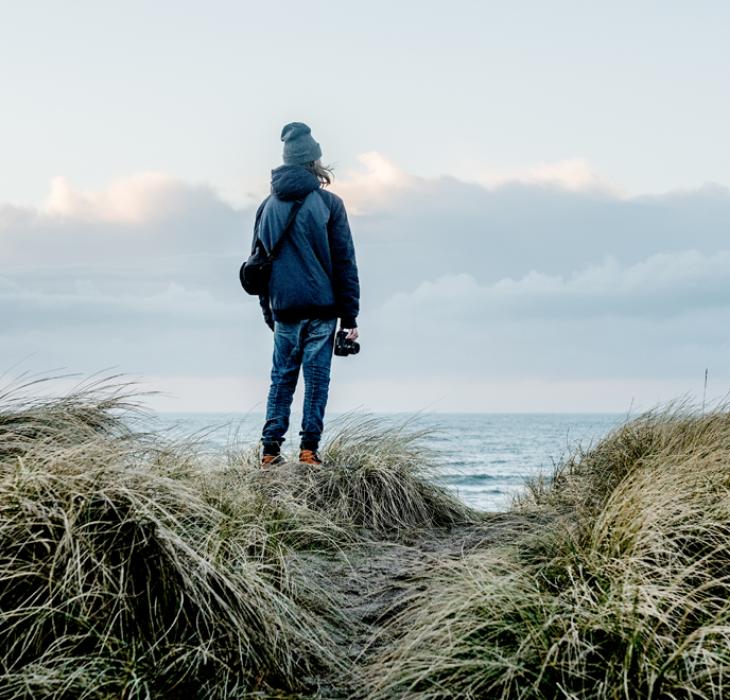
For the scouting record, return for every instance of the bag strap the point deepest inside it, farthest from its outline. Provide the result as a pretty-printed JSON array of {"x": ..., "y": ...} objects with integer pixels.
[{"x": 292, "y": 215}]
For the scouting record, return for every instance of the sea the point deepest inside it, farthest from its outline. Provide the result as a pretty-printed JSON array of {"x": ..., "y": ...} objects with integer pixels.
[{"x": 485, "y": 458}]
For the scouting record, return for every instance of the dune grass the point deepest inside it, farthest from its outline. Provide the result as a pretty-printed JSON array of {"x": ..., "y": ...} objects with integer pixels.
[
  {"x": 627, "y": 595},
  {"x": 131, "y": 566},
  {"x": 118, "y": 578},
  {"x": 376, "y": 476}
]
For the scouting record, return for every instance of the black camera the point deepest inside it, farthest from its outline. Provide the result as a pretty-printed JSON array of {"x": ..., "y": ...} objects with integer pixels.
[{"x": 343, "y": 346}]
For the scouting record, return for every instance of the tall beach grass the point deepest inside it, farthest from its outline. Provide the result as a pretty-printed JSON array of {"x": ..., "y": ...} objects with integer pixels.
[
  {"x": 118, "y": 578},
  {"x": 131, "y": 567},
  {"x": 377, "y": 476},
  {"x": 626, "y": 595}
]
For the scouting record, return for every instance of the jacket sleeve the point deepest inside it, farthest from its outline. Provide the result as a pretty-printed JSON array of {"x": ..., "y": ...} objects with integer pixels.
[
  {"x": 345, "y": 280},
  {"x": 263, "y": 298},
  {"x": 266, "y": 308}
]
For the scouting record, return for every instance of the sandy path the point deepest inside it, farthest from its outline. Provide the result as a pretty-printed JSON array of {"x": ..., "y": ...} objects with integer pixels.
[{"x": 375, "y": 579}]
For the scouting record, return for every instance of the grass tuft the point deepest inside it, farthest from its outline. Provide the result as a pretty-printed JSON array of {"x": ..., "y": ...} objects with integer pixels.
[
  {"x": 375, "y": 475},
  {"x": 118, "y": 578},
  {"x": 624, "y": 596}
]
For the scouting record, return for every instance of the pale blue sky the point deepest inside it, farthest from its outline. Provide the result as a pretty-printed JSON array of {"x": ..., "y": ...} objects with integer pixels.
[
  {"x": 97, "y": 90},
  {"x": 526, "y": 182}
]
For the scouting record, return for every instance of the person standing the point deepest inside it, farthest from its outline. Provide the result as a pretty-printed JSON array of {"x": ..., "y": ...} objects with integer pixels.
[{"x": 314, "y": 282}]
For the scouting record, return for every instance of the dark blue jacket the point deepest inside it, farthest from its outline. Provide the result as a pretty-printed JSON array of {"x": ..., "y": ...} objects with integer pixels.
[{"x": 314, "y": 274}]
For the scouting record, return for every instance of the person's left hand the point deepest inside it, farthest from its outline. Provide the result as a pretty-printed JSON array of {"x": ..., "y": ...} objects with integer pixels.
[{"x": 352, "y": 333}]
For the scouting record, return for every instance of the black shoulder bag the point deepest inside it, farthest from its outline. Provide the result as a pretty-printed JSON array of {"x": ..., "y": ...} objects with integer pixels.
[{"x": 255, "y": 272}]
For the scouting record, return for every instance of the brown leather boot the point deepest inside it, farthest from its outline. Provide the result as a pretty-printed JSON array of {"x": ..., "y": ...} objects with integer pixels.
[
  {"x": 269, "y": 460},
  {"x": 310, "y": 457}
]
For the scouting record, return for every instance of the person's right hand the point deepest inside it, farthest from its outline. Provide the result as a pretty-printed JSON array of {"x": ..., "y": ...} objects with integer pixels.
[{"x": 352, "y": 333}]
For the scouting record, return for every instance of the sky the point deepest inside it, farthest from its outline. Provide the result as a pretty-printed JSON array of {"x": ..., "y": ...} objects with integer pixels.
[{"x": 538, "y": 194}]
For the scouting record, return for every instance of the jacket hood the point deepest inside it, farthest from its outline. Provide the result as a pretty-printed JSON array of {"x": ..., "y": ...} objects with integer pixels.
[{"x": 292, "y": 182}]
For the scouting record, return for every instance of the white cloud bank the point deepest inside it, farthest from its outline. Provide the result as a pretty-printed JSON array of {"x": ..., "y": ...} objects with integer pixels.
[
  {"x": 379, "y": 180},
  {"x": 133, "y": 200},
  {"x": 472, "y": 294},
  {"x": 573, "y": 174},
  {"x": 663, "y": 286}
]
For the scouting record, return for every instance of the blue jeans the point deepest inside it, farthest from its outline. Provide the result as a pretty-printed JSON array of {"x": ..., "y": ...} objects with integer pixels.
[{"x": 307, "y": 344}]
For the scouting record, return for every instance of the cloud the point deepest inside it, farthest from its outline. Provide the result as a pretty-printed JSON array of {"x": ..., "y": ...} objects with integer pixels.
[
  {"x": 664, "y": 285},
  {"x": 133, "y": 219},
  {"x": 573, "y": 174},
  {"x": 661, "y": 320},
  {"x": 87, "y": 307},
  {"x": 379, "y": 181},
  {"x": 423, "y": 229},
  {"x": 136, "y": 199},
  {"x": 544, "y": 277}
]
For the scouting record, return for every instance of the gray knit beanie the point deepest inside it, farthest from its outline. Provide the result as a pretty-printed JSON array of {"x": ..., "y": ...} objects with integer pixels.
[{"x": 299, "y": 146}]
